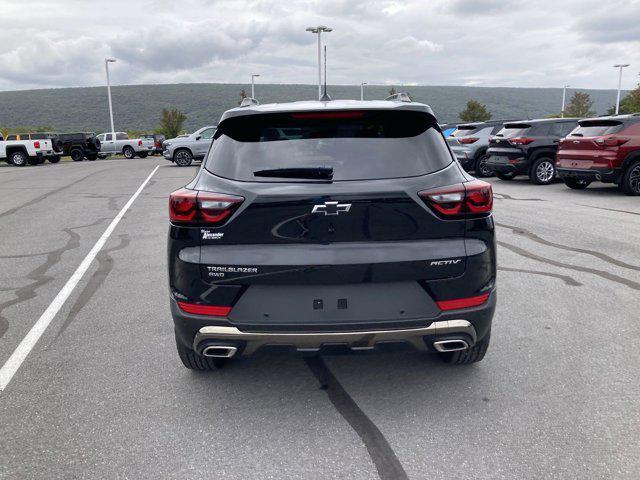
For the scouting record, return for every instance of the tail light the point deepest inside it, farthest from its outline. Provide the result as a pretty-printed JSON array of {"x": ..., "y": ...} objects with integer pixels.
[
  {"x": 521, "y": 140},
  {"x": 139, "y": 143},
  {"x": 197, "y": 208},
  {"x": 36, "y": 144},
  {"x": 462, "y": 200},
  {"x": 329, "y": 115},
  {"x": 468, "y": 140},
  {"x": 611, "y": 141},
  {"x": 462, "y": 302},
  {"x": 210, "y": 310}
]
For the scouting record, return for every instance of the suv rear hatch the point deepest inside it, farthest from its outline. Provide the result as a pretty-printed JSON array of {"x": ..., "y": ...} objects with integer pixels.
[
  {"x": 355, "y": 245},
  {"x": 461, "y": 132},
  {"x": 592, "y": 144},
  {"x": 506, "y": 144}
]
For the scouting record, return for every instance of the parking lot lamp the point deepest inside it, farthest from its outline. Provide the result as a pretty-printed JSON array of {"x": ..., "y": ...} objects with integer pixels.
[
  {"x": 318, "y": 30},
  {"x": 620, "y": 67},
  {"x": 107, "y": 61},
  {"x": 253, "y": 89},
  {"x": 564, "y": 97},
  {"x": 362, "y": 90}
]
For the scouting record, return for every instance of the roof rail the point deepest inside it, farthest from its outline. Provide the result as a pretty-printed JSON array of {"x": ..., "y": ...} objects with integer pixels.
[
  {"x": 399, "y": 97},
  {"x": 248, "y": 101}
]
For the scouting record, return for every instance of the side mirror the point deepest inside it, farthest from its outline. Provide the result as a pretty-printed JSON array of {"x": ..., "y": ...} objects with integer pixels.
[{"x": 198, "y": 137}]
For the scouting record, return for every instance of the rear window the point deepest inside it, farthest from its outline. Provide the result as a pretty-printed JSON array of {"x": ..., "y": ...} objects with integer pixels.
[
  {"x": 465, "y": 130},
  {"x": 358, "y": 145},
  {"x": 597, "y": 128},
  {"x": 513, "y": 130},
  {"x": 122, "y": 136},
  {"x": 72, "y": 136}
]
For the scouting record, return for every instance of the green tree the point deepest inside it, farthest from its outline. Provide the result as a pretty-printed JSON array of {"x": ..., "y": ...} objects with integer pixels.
[
  {"x": 631, "y": 102},
  {"x": 171, "y": 122},
  {"x": 243, "y": 95},
  {"x": 133, "y": 133},
  {"x": 475, "y": 112},
  {"x": 579, "y": 106},
  {"x": 25, "y": 129}
]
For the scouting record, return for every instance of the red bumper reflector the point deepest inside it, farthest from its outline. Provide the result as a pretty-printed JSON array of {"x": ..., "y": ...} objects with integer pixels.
[
  {"x": 462, "y": 302},
  {"x": 211, "y": 310}
]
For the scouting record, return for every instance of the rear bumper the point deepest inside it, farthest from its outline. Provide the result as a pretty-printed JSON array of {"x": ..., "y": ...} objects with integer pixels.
[
  {"x": 517, "y": 165},
  {"x": 592, "y": 174},
  {"x": 197, "y": 332},
  {"x": 303, "y": 342}
]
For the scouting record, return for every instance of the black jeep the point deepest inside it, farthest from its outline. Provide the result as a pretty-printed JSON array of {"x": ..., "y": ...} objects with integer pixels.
[{"x": 80, "y": 146}]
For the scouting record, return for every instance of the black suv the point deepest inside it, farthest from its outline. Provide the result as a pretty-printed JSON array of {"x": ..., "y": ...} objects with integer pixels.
[
  {"x": 80, "y": 146},
  {"x": 528, "y": 147},
  {"x": 323, "y": 226}
]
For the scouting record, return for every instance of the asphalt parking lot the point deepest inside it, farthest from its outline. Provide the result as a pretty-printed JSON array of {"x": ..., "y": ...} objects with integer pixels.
[{"x": 103, "y": 394}]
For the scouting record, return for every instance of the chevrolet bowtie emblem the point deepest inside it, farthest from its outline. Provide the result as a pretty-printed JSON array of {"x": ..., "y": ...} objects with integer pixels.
[{"x": 331, "y": 208}]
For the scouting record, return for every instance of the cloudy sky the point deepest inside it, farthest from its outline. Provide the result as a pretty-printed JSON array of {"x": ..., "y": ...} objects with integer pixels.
[{"x": 520, "y": 43}]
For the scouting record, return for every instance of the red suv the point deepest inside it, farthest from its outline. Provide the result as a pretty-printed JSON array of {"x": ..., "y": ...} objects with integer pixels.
[{"x": 605, "y": 149}]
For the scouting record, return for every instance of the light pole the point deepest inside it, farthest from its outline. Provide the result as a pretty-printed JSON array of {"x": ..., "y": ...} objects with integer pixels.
[
  {"x": 619, "y": 66},
  {"x": 362, "y": 90},
  {"x": 318, "y": 30},
  {"x": 253, "y": 89},
  {"x": 564, "y": 97},
  {"x": 107, "y": 61}
]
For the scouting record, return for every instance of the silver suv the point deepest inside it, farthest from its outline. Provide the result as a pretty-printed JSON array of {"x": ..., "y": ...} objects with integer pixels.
[
  {"x": 183, "y": 150},
  {"x": 469, "y": 144}
]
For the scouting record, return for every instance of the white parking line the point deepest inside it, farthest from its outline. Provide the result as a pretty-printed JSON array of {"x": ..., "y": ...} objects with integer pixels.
[{"x": 12, "y": 365}]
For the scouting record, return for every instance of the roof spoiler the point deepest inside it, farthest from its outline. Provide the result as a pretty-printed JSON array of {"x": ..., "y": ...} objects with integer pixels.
[
  {"x": 399, "y": 97},
  {"x": 248, "y": 102}
]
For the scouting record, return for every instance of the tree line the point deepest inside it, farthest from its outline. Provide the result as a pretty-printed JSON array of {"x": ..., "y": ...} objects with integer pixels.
[
  {"x": 172, "y": 120},
  {"x": 580, "y": 105}
]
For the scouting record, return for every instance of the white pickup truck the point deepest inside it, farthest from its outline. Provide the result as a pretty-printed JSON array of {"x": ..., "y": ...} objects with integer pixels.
[
  {"x": 125, "y": 145},
  {"x": 21, "y": 152}
]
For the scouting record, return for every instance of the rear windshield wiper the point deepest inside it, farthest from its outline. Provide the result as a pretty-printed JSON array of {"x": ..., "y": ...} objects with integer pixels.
[{"x": 313, "y": 173}]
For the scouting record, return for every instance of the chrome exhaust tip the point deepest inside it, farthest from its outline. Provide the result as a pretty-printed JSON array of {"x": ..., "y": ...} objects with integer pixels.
[
  {"x": 452, "y": 345},
  {"x": 598, "y": 177},
  {"x": 219, "y": 351}
]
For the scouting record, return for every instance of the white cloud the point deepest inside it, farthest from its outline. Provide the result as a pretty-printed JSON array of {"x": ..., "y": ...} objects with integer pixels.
[
  {"x": 476, "y": 42},
  {"x": 412, "y": 44}
]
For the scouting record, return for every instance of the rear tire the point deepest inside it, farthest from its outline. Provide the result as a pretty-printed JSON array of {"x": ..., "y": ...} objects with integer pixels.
[
  {"x": 19, "y": 159},
  {"x": 54, "y": 159},
  {"x": 77, "y": 155},
  {"x": 630, "y": 183},
  {"x": 481, "y": 169},
  {"x": 577, "y": 183},
  {"x": 128, "y": 153},
  {"x": 35, "y": 160},
  {"x": 143, "y": 154},
  {"x": 470, "y": 355},
  {"x": 194, "y": 361},
  {"x": 543, "y": 171},
  {"x": 182, "y": 158},
  {"x": 92, "y": 156},
  {"x": 505, "y": 175}
]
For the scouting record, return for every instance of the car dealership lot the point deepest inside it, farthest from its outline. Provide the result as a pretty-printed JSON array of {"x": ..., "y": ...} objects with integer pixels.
[{"x": 104, "y": 395}]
